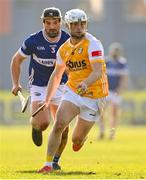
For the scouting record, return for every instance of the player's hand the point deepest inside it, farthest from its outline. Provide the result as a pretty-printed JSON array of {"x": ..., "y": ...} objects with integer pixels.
[
  {"x": 46, "y": 105},
  {"x": 81, "y": 88},
  {"x": 15, "y": 89}
]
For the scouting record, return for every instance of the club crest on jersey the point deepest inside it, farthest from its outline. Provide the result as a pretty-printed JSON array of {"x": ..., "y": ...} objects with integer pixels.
[
  {"x": 40, "y": 48},
  {"x": 80, "y": 50}
]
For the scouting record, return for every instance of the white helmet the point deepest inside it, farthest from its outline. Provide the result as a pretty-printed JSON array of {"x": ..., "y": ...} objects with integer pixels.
[{"x": 75, "y": 15}]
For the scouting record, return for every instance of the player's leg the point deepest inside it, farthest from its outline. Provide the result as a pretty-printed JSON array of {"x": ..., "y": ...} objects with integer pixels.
[
  {"x": 113, "y": 119},
  {"x": 56, "y": 166},
  {"x": 41, "y": 121},
  {"x": 89, "y": 114},
  {"x": 65, "y": 114},
  {"x": 114, "y": 104},
  {"x": 101, "y": 127},
  {"x": 53, "y": 108},
  {"x": 80, "y": 132},
  {"x": 101, "y": 118}
]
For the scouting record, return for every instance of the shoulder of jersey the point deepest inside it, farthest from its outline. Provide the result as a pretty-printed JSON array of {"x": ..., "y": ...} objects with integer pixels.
[
  {"x": 63, "y": 48},
  {"x": 36, "y": 34},
  {"x": 65, "y": 44},
  {"x": 92, "y": 38}
]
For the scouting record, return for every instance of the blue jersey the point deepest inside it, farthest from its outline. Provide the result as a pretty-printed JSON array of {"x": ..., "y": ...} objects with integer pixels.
[
  {"x": 115, "y": 70},
  {"x": 42, "y": 57}
]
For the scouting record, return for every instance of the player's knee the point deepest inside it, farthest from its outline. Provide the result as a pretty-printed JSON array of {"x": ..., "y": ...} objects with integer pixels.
[
  {"x": 77, "y": 140},
  {"x": 44, "y": 125},
  {"x": 59, "y": 127},
  {"x": 40, "y": 125}
]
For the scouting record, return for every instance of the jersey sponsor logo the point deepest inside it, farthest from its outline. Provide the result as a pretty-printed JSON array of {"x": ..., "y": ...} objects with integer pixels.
[
  {"x": 96, "y": 53},
  {"x": 76, "y": 65},
  {"x": 44, "y": 62}
]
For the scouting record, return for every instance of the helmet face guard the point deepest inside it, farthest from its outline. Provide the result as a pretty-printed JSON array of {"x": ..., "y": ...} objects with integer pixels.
[{"x": 75, "y": 15}]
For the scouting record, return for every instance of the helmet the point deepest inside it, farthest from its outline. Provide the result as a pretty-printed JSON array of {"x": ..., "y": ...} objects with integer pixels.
[
  {"x": 51, "y": 12},
  {"x": 75, "y": 15}
]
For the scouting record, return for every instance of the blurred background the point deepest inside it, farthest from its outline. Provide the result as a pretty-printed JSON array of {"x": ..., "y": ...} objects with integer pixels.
[{"x": 123, "y": 21}]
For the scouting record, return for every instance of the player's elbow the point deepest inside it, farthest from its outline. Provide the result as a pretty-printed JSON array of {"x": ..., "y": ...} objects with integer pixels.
[{"x": 17, "y": 60}]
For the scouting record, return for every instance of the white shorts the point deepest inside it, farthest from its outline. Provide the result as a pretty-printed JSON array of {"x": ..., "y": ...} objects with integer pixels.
[
  {"x": 114, "y": 97},
  {"x": 38, "y": 93},
  {"x": 89, "y": 108}
]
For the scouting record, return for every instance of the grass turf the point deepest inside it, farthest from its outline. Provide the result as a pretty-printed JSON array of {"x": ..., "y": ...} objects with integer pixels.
[{"x": 122, "y": 158}]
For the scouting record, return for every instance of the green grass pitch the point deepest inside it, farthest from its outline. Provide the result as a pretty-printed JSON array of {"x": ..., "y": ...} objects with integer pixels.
[{"x": 122, "y": 158}]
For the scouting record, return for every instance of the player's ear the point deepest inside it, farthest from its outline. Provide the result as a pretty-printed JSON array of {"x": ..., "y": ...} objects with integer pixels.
[
  {"x": 66, "y": 25},
  {"x": 60, "y": 22},
  {"x": 86, "y": 26}
]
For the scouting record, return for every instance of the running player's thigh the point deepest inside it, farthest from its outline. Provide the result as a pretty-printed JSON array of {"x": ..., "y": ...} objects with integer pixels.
[
  {"x": 82, "y": 128},
  {"x": 53, "y": 109},
  {"x": 66, "y": 112},
  {"x": 43, "y": 115}
]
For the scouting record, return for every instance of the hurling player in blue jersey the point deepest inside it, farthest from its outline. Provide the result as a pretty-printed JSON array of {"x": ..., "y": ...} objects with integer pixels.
[
  {"x": 41, "y": 47},
  {"x": 117, "y": 72}
]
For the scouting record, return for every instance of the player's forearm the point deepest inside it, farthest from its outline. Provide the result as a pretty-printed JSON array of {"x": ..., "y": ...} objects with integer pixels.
[
  {"x": 95, "y": 74},
  {"x": 92, "y": 78},
  {"x": 52, "y": 87},
  {"x": 15, "y": 72}
]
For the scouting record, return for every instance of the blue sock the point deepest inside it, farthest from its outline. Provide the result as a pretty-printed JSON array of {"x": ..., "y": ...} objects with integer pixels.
[{"x": 56, "y": 159}]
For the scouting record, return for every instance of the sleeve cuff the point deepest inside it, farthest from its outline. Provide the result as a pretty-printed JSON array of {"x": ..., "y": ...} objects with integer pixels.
[
  {"x": 22, "y": 53},
  {"x": 97, "y": 60}
]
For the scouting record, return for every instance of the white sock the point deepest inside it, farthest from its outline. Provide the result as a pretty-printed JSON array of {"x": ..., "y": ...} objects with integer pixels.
[{"x": 48, "y": 164}]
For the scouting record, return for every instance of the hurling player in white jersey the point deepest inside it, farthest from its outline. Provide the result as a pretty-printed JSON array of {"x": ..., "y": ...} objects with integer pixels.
[
  {"x": 41, "y": 47},
  {"x": 117, "y": 72}
]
